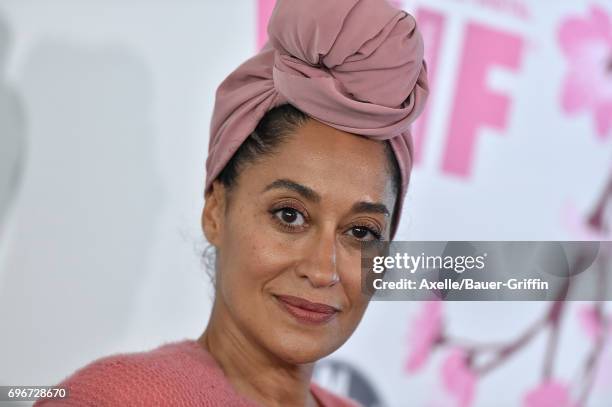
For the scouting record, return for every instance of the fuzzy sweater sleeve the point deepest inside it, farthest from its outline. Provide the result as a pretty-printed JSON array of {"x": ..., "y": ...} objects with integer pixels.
[{"x": 174, "y": 374}]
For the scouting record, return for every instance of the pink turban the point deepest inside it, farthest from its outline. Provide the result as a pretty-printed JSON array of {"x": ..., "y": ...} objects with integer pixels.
[{"x": 355, "y": 65}]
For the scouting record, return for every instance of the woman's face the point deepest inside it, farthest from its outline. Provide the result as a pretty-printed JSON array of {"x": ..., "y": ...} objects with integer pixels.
[{"x": 293, "y": 229}]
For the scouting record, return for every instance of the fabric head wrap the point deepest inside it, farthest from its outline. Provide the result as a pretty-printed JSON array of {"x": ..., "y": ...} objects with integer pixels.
[{"x": 355, "y": 65}]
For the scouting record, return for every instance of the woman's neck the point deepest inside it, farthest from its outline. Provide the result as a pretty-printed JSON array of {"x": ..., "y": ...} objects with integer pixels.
[{"x": 252, "y": 370}]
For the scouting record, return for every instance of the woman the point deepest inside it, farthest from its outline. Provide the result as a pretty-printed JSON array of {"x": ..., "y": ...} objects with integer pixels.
[{"x": 309, "y": 156}]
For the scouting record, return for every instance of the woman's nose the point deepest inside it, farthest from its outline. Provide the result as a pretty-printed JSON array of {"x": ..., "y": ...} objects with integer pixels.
[{"x": 318, "y": 262}]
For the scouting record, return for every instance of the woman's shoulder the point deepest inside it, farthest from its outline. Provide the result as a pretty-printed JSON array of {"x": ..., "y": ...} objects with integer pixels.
[
  {"x": 329, "y": 399},
  {"x": 178, "y": 372}
]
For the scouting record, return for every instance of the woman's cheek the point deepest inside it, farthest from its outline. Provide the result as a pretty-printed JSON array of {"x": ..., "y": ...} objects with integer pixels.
[{"x": 351, "y": 281}]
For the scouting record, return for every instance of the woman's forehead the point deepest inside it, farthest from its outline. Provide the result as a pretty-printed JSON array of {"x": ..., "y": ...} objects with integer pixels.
[
  {"x": 330, "y": 162},
  {"x": 319, "y": 141}
]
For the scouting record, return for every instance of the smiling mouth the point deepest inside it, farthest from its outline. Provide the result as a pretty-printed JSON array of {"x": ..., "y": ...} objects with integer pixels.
[{"x": 306, "y": 311}]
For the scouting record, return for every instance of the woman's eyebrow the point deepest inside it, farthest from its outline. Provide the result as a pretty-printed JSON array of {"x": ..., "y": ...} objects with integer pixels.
[
  {"x": 311, "y": 195},
  {"x": 303, "y": 190},
  {"x": 371, "y": 207}
]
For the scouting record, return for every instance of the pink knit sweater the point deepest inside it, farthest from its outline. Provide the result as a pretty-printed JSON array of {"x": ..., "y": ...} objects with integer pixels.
[{"x": 174, "y": 374}]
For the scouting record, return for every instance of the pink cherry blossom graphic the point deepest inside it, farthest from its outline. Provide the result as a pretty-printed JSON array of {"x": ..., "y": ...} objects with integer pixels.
[
  {"x": 457, "y": 377},
  {"x": 549, "y": 394},
  {"x": 579, "y": 228},
  {"x": 587, "y": 45},
  {"x": 591, "y": 321},
  {"x": 425, "y": 333}
]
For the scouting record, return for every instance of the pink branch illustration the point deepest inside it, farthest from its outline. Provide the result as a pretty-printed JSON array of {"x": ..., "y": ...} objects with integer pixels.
[{"x": 460, "y": 371}]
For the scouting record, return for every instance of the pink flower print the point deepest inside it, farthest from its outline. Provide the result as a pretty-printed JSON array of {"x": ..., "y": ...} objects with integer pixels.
[
  {"x": 576, "y": 224},
  {"x": 587, "y": 45},
  {"x": 458, "y": 379},
  {"x": 591, "y": 321},
  {"x": 548, "y": 394},
  {"x": 425, "y": 333}
]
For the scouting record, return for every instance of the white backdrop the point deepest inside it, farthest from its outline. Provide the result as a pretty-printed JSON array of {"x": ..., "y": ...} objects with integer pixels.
[{"x": 104, "y": 117}]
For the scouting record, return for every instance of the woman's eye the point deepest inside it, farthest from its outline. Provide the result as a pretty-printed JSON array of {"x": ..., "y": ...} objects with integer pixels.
[
  {"x": 364, "y": 233},
  {"x": 290, "y": 216}
]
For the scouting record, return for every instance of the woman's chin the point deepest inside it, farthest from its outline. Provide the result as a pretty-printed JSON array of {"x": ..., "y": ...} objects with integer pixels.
[
  {"x": 300, "y": 356},
  {"x": 302, "y": 350}
]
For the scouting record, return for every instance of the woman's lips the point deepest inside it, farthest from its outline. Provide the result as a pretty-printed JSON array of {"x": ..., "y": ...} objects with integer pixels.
[{"x": 307, "y": 311}]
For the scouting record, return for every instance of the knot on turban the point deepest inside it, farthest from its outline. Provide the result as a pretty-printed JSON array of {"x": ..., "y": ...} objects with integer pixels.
[{"x": 355, "y": 65}]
